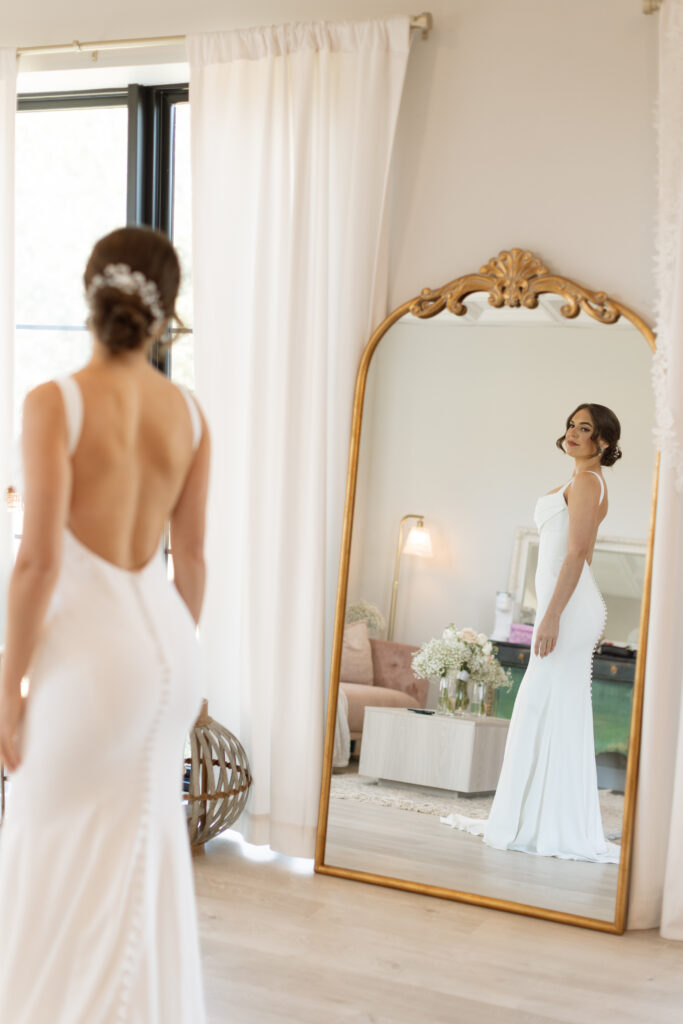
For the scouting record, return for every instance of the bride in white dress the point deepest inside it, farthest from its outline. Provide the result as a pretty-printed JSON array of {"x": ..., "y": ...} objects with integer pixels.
[
  {"x": 547, "y": 796},
  {"x": 97, "y": 908}
]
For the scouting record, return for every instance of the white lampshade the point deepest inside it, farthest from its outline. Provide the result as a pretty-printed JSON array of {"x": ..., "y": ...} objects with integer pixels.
[
  {"x": 418, "y": 542},
  {"x": 12, "y": 498}
]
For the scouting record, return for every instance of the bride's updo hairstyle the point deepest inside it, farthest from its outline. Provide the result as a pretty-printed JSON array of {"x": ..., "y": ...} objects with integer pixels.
[
  {"x": 605, "y": 425},
  {"x": 131, "y": 283}
]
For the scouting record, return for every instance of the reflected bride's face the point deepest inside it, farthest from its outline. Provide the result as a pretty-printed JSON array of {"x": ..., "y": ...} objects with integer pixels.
[{"x": 578, "y": 438}]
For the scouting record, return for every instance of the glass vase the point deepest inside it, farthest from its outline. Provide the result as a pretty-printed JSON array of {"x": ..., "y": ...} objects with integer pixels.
[
  {"x": 457, "y": 692},
  {"x": 478, "y": 699},
  {"x": 445, "y": 689},
  {"x": 453, "y": 696}
]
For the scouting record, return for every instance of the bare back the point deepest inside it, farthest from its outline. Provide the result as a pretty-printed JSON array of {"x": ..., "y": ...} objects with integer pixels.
[
  {"x": 601, "y": 512},
  {"x": 132, "y": 460}
]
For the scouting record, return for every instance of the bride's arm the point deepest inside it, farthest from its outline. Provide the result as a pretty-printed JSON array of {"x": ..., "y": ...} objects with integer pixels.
[
  {"x": 47, "y": 476},
  {"x": 583, "y": 501},
  {"x": 188, "y": 527}
]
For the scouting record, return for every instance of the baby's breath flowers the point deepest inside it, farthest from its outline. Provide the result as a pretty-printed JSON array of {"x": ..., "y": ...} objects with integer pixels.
[
  {"x": 471, "y": 655},
  {"x": 370, "y": 613}
]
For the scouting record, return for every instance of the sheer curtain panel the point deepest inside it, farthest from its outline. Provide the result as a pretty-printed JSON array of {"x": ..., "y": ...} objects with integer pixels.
[
  {"x": 657, "y": 882},
  {"x": 8, "y": 109},
  {"x": 292, "y": 133}
]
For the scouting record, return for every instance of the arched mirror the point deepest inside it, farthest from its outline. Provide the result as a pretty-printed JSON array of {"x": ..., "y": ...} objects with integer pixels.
[{"x": 454, "y": 481}]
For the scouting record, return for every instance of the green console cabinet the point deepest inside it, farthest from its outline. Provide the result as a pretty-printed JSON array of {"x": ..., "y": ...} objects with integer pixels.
[{"x": 612, "y": 695}]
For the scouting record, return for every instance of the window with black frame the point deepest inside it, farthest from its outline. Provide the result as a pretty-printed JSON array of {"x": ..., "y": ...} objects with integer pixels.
[
  {"x": 87, "y": 162},
  {"x": 182, "y": 351}
]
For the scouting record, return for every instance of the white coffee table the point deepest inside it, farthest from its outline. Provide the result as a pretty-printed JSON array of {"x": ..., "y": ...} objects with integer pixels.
[{"x": 446, "y": 752}]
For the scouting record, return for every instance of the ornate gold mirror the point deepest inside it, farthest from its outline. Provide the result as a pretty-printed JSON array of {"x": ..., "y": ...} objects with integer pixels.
[{"x": 454, "y": 481}]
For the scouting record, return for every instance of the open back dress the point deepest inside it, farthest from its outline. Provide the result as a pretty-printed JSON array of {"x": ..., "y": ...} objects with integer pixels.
[{"x": 97, "y": 909}]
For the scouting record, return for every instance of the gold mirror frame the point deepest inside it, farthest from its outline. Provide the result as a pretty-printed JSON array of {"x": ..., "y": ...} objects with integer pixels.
[{"x": 515, "y": 277}]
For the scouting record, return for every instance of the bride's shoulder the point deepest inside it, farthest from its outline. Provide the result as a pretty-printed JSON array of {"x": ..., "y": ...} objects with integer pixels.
[
  {"x": 589, "y": 474},
  {"x": 43, "y": 402},
  {"x": 588, "y": 482}
]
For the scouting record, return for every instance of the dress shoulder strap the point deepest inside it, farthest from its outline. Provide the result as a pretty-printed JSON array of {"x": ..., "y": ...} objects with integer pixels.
[
  {"x": 73, "y": 410},
  {"x": 602, "y": 483},
  {"x": 195, "y": 418}
]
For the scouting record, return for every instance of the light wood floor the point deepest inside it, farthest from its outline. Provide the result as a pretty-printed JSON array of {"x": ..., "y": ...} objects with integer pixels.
[
  {"x": 280, "y": 946},
  {"x": 402, "y": 844}
]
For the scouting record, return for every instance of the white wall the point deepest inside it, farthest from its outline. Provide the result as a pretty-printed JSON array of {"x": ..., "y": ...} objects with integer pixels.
[
  {"x": 460, "y": 424},
  {"x": 529, "y": 123}
]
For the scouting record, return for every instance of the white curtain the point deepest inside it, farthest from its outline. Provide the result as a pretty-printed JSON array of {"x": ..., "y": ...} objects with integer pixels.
[
  {"x": 657, "y": 880},
  {"x": 292, "y": 132},
  {"x": 8, "y": 109}
]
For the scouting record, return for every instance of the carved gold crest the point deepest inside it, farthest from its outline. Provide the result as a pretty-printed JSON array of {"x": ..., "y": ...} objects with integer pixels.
[{"x": 516, "y": 277}]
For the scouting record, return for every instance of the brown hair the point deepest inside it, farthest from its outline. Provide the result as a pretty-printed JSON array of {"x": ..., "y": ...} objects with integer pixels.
[
  {"x": 605, "y": 425},
  {"x": 119, "y": 320}
]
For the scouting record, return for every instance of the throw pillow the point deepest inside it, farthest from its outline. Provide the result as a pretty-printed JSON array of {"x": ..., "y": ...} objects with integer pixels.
[{"x": 356, "y": 659}]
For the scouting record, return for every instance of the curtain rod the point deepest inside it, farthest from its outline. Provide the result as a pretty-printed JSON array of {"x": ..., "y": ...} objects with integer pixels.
[{"x": 424, "y": 22}]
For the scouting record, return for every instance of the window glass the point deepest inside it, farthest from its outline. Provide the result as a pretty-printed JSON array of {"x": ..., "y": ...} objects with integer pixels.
[{"x": 71, "y": 176}]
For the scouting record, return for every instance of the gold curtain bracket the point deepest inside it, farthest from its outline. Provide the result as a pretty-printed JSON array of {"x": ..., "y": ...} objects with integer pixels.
[{"x": 424, "y": 22}]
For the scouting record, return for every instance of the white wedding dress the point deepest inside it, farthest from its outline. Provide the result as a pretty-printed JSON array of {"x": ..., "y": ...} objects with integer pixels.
[
  {"x": 547, "y": 796},
  {"x": 97, "y": 909}
]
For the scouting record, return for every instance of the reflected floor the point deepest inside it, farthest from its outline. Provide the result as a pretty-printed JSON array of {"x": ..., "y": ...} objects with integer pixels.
[{"x": 399, "y": 843}]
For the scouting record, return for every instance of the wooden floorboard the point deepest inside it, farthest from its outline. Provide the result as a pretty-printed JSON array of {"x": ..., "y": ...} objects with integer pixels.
[
  {"x": 280, "y": 944},
  {"x": 402, "y": 844}
]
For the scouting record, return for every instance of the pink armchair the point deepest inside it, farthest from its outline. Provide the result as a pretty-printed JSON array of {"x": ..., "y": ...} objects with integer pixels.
[{"x": 393, "y": 685}]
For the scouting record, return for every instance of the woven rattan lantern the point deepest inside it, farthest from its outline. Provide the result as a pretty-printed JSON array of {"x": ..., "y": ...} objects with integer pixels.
[{"x": 219, "y": 779}]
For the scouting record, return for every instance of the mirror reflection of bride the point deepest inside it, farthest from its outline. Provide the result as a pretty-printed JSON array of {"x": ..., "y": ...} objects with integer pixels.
[{"x": 547, "y": 797}]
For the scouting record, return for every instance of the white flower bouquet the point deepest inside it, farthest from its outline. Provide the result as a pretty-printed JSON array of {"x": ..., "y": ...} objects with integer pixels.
[{"x": 462, "y": 656}]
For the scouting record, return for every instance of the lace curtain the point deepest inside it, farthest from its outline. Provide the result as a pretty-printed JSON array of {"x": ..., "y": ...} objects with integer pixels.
[
  {"x": 657, "y": 883},
  {"x": 667, "y": 372}
]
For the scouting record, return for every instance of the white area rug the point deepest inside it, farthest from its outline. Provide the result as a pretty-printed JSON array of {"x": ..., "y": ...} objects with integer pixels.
[{"x": 349, "y": 785}]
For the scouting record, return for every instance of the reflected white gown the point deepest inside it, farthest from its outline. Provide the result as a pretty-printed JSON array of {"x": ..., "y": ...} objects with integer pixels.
[
  {"x": 97, "y": 910},
  {"x": 547, "y": 796}
]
